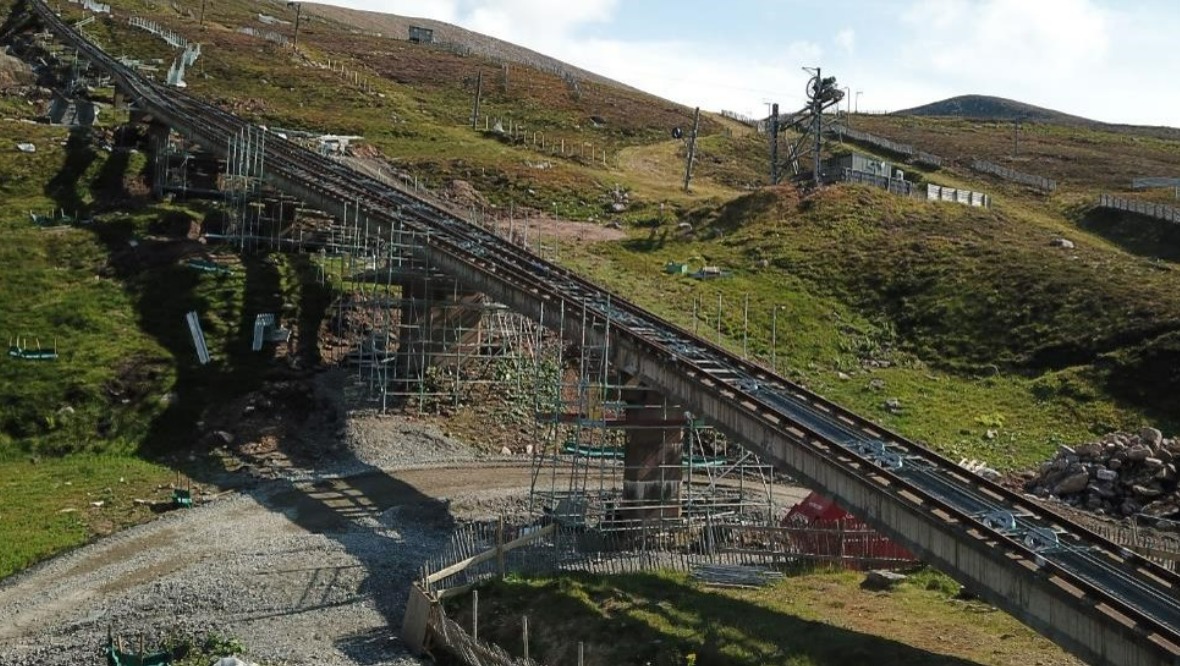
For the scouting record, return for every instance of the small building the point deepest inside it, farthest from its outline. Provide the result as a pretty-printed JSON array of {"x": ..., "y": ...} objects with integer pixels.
[
  {"x": 420, "y": 35},
  {"x": 861, "y": 163}
]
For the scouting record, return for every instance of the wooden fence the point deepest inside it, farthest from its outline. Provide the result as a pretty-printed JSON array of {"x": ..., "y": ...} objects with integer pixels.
[
  {"x": 1152, "y": 210},
  {"x": 484, "y": 551},
  {"x": 1161, "y": 548},
  {"x": 1038, "y": 182}
]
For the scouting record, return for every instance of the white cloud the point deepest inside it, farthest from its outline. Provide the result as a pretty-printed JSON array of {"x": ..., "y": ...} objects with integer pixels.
[
  {"x": 1007, "y": 39},
  {"x": 539, "y": 21},
  {"x": 846, "y": 40},
  {"x": 712, "y": 76}
]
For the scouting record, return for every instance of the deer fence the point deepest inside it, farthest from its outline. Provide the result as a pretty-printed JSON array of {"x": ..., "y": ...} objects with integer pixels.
[
  {"x": 1145, "y": 208},
  {"x": 1032, "y": 180},
  {"x": 907, "y": 151}
]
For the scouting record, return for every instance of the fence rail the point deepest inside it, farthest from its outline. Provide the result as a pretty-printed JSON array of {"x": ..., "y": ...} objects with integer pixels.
[
  {"x": 1146, "y": 208},
  {"x": 1032, "y": 180}
]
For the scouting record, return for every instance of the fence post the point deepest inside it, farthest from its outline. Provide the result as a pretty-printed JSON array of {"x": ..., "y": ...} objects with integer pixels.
[
  {"x": 475, "y": 615},
  {"x": 525, "y": 631},
  {"x": 500, "y": 547}
]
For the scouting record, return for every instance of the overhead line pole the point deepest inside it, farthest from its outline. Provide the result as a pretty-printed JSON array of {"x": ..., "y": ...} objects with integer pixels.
[
  {"x": 478, "y": 94},
  {"x": 773, "y": 127},
  {"x": 692, "y": 147},
  {"x": 298, "y": 16}
]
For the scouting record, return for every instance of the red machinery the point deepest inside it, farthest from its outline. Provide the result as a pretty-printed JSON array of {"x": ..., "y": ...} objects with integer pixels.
[{"x": 830, "y": 533}]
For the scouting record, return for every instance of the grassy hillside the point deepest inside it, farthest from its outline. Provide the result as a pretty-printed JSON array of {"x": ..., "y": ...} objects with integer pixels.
[
  {"x": 995, "y": 344},
  {"x": 968, "y": 316},
  {"x": 1083, "y": 159}
]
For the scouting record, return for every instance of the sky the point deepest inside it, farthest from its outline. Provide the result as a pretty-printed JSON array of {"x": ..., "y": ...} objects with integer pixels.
[{"x": 1110, "y": 60}]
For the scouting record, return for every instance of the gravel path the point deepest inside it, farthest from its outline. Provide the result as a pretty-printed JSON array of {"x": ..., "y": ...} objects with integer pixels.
[{"x": 311, "y": 567}]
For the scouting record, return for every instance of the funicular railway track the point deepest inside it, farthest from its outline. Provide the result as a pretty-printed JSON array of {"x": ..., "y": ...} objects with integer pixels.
[{"x": 1134, "y": 598}]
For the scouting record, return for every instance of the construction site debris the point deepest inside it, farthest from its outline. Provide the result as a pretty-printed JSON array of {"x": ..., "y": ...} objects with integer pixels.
[{"x": 732, "y": 575}]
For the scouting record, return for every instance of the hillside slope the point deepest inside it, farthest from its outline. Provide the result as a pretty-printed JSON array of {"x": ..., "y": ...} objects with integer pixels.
[
  {"x": 985, "y": 107},
  {"x": 393, "y": 26}
]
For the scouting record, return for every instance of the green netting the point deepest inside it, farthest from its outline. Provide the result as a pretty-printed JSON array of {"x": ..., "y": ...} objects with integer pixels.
[
  {"x": 208, "y": 266},
  {"x": 117, "y": 657},
  {"x": 610, "y": 452},
  {"x": 16, "y": 351},
  {"x": 616, "y": 453}
]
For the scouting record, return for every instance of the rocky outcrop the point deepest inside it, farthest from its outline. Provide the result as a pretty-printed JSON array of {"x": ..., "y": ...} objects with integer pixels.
[{"x": 1120, "y": 475}]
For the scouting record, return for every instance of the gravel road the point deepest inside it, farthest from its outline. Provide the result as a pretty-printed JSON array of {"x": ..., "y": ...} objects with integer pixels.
[{"x": 310, "y": 567}]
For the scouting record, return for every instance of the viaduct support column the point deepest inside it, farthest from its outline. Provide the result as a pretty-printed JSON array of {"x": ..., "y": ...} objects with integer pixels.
[
  {"x": 158, "y": 134},
  {"x": 652, "y": 457},
  {"x": 440, "y": 326}
]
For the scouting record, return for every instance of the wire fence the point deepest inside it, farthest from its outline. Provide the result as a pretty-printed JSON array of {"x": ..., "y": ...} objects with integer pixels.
[
  {"x": 268, "y": 35},
  {"x": 1146, "y": 208},
  {"x": 1032, "y": 180}
]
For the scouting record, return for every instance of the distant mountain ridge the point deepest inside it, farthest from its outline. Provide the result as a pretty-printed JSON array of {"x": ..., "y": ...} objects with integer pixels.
[{"x": 985, "y": 107}]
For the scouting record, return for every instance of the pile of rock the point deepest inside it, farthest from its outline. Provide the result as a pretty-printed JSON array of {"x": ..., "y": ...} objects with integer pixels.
[{"x": 1121, "y": 474}]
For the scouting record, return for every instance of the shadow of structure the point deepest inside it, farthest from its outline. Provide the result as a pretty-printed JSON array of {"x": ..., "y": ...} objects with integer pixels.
[
  {"x": 148, "y": 257},
  {"x": 1137, "y": 234},
  {"x": 657, "y": 620}
]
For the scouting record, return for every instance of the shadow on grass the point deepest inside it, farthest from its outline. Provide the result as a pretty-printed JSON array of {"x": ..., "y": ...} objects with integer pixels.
[
  {"x": 1137, "y": 234},
  {"x": 146, "y": 254},
  {"x": 660, "y": 620}
]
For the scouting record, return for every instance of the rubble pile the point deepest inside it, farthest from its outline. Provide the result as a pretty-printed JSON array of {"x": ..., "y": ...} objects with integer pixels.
[{"x": 1120, "y": 475}]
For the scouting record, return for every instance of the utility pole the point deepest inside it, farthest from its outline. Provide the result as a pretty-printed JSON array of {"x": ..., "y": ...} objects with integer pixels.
[
  {"x": 817, "y": 122},
  {"x": 202, "y": 22},
  {"x": 773, "y": 127},
  {"x": 1015, "y": 138},
  {"x": 298, "y": 16},
  {"x": 478, "y": 94},
  {"x": 692, "y": 147}
]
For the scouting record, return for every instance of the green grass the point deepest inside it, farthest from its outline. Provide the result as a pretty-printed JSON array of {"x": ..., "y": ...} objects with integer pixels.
[
  {"x": 46, "y": 506},
  {"x": 982, "y": 326},
  {"x": 810, "y": 619}
]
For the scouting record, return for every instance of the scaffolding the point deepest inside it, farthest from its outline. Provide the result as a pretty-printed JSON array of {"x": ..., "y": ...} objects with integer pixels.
[{"x": 586, "y": 412}]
